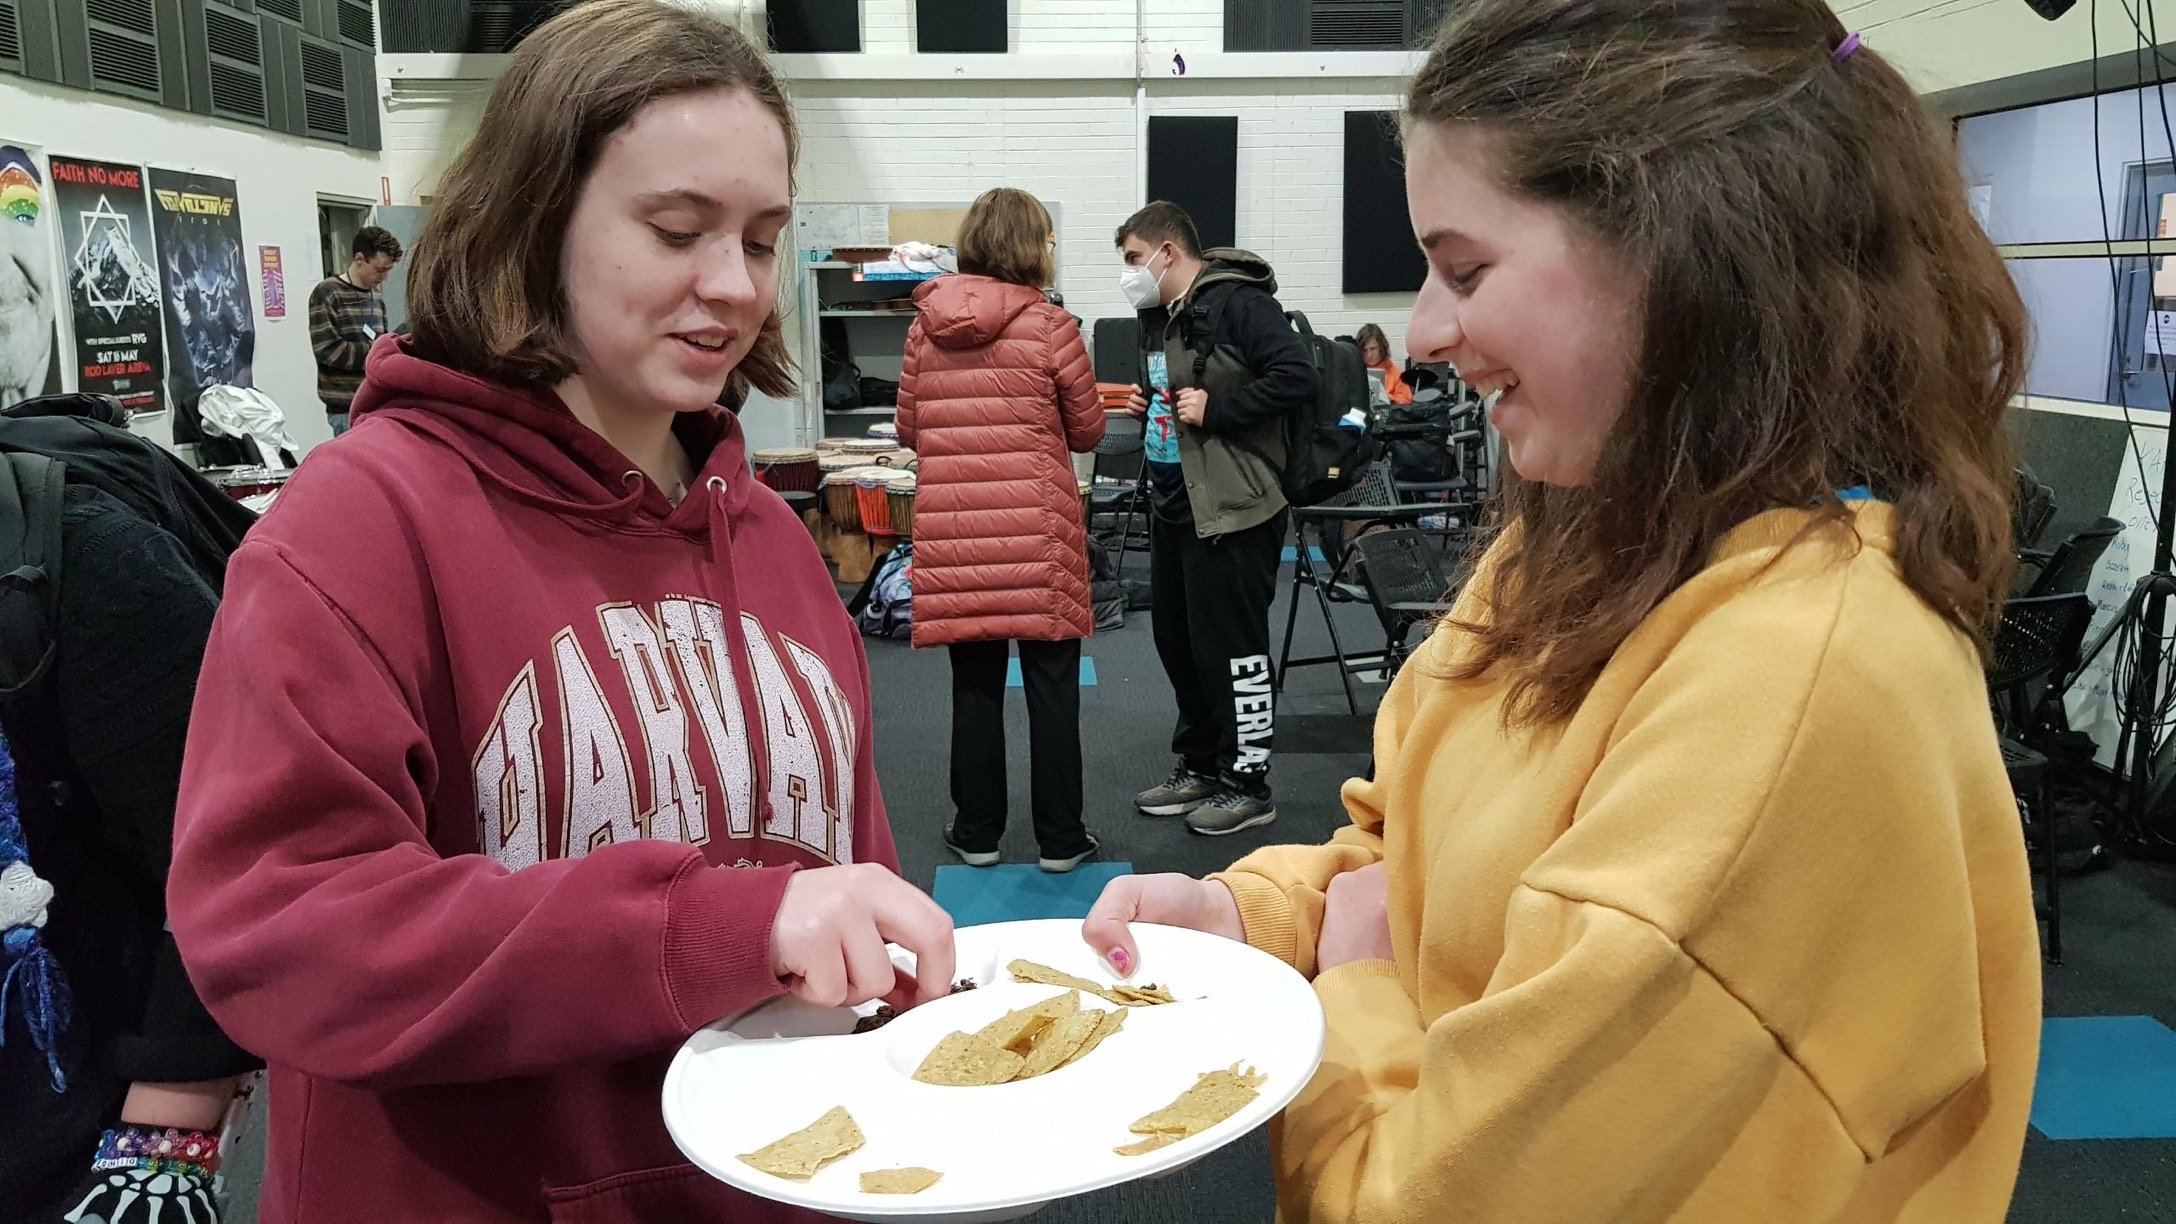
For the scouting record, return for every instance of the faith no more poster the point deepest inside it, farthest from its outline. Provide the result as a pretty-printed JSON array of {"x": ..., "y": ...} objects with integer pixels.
[
  {"x": 113, "y": 283},
  {"x": 30, "y": 362},
  {"x": 204, "y": 275}
]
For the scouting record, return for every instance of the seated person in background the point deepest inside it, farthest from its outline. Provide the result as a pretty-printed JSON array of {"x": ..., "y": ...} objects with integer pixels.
[
  {"x": 114, "y": 1081},
  {"x": 1375, "y": 354},
  {"x": 1690, "y": 886}
]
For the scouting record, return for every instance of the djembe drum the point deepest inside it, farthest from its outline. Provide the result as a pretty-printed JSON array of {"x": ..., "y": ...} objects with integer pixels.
[
  {"x": 899, "y": 490},
  {"x": 789, "y": 469},
  {"x": 872, "y": 490}
]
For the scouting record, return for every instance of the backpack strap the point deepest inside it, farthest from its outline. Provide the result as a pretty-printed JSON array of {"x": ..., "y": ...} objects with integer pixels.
[
  {"x": 1201, "y": 333},
  {"x": 30, "y": 567}
]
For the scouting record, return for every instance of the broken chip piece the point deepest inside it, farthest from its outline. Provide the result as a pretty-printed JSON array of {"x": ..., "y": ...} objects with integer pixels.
[
  {"x": 1140, "y": 996},
  {"x": 1059, "y": 1043},
  {"x": 965, "y": 1060},
  {"x": 1111, "y": 1020},
  {"x": 1150, "y": 1144},
  {"x": 799, "y": 1155},
  {"x": 1129, "y": 996},
  {"x": 1017, "y": 1030},
  {"x": 898, "y": 1181},
  {"x": 1214, "y": 1097},
  {"x": 1022, "y": 1044}
]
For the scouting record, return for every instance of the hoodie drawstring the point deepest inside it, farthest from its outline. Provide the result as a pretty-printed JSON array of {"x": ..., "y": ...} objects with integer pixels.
[{"x": 742, "y": 661}]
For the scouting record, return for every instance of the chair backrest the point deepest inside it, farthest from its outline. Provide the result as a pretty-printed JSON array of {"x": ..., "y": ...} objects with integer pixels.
[
  {"x": 1376, "y": 487},
  {"x": 1117, "y": 345},
  {"x": 1122, "y": 435},
  {"x": 2038, "y": 638},
  {"x": 2071, "y": 566},
  {"x": 2032, "y": 510},
  {"x": 1400, "y": 565}
]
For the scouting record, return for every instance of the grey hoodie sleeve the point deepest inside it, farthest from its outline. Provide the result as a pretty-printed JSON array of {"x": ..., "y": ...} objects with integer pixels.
[{"x": 1284, "y": 379}]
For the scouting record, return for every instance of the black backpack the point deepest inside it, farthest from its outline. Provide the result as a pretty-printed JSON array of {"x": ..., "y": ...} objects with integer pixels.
[
  {"x": 41, "y": 454},
  {"x": 1325, "y": 455}
]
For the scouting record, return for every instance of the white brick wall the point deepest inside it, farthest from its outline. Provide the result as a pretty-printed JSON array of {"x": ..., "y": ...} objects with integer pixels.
[
  {"x": 1047, "y": 26},
  {"x": 423, "y": 124},
  {"x": 1074, "y": 143}
]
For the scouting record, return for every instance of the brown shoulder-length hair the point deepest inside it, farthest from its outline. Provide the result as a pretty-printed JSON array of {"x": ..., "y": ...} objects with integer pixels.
[
  {"x": 484, "y": 293},
  {"x": 1820, "y": 309},
  {"x": 1006, "y": 237}
]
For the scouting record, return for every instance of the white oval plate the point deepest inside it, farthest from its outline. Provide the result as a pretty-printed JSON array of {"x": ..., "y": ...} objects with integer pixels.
[{"x": 1008, "y": 1149}]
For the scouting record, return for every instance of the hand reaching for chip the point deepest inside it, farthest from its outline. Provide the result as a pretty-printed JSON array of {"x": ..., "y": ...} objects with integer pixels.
[
  {"x": 1170, "y": 899},
  {"x": 827, "y": 942}
]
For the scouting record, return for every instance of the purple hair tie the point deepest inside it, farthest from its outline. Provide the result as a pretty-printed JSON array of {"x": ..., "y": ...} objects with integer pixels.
[{"x": 1847, "y": 46}]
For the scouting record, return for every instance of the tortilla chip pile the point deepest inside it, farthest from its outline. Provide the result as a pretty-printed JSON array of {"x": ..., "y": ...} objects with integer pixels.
[
  {"x": 1214, "y": 1097},
  {"x": 898, "y": 1181},
  {"x": 1020, "y": 1044},
  {"x": 799, "y": 1155},
  {"x": 1126, "y": 996}
]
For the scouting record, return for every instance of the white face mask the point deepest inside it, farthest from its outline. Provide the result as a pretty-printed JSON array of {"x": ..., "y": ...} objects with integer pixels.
[{"x": 1141, "y": 287}]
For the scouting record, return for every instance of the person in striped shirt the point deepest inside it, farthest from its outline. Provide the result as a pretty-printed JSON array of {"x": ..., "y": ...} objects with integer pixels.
[{"x": 346, "y": 317}]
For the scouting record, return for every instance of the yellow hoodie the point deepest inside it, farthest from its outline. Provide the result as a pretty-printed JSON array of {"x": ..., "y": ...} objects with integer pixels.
[{"x": 1749, "y": 939}]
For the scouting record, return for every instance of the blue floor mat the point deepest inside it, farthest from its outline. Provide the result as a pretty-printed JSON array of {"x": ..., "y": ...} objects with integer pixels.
[
  {"x": 1012, "y": 891},
  {"x": 2106, "y": 1077},
  {"x": 1087, "y": 673}
]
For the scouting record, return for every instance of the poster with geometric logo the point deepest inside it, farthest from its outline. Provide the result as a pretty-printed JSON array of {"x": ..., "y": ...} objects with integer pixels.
[
  {"x": 204, "y": 275},
  {"x": 113, "y": 283},
  {"x": 30, "y": 361}
]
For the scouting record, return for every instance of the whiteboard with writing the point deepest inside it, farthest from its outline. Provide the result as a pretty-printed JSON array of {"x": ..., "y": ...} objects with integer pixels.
[{"x": 2091, "y": 702}]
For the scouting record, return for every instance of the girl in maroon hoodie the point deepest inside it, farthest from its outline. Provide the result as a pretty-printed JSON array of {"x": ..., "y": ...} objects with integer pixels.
[{"x": 532, "y": 735}]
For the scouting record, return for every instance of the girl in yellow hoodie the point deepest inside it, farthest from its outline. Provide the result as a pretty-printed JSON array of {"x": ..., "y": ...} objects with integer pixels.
[{"x": 1688, "y": 885}]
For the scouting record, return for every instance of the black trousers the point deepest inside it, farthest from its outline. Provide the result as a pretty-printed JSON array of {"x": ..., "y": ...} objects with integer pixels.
[
  {"x": 1210, "y": 604},
  {"x": 1050, "y": 671}
]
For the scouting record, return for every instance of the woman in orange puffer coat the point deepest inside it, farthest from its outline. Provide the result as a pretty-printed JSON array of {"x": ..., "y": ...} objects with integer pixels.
[{"x": 995, "y": 394}]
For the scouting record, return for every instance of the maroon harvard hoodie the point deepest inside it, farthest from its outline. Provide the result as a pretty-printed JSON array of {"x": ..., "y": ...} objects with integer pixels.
[{"x": 499, "y": 766}]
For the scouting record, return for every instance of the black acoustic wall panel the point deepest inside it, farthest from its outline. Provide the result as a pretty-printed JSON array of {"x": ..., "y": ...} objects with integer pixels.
[
  {"x": 1380, "y": 255},
  {"x": 413, "y": 27},
  {"x": 800, "y": 27},
  {"x": 960, "y": 27},
  {"x": 1193, "y": 161}
]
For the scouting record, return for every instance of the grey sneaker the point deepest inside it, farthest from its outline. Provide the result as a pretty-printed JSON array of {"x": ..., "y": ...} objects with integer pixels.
[
  {"x": 1229, "y": 812},
  {"x": 1059, "y": 866},
  {"x": 1181, "y": 793}
]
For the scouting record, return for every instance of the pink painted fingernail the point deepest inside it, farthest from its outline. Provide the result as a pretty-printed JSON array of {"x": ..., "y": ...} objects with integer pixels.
[{"x": 1120, "y": 961}]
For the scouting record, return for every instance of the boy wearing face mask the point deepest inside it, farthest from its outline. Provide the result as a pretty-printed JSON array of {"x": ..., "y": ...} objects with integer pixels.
[{"x": 1223, "y": 371}]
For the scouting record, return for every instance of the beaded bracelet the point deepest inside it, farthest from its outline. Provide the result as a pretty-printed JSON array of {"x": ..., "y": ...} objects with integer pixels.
[{"x": 158, "y": 1151}]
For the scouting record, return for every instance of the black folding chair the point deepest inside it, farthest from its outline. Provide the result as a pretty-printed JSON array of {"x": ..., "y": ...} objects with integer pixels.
[
  {"x": 2069, "y": 566},
  {"x": 2036, "y": 650},
  {"x": 1120, "y": 487},
  {"x": 1403, "y": 571},
  {"x": 1325, "y": 568}
]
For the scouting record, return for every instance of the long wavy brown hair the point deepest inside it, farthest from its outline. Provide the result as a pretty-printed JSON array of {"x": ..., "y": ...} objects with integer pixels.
[
  {"x": 1821, "y": 310},
  {"x": 484, "y": 293}
]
